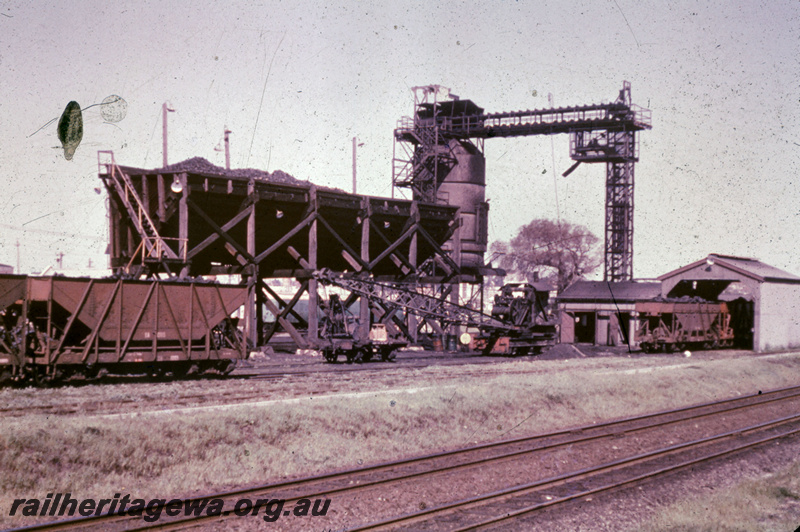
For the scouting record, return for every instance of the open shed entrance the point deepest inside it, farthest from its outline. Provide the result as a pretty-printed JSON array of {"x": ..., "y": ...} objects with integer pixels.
[
  {"x": 585, "y": 327},
  {"x": 742, "y": 322},
  {"x": 741, "y": 309}
]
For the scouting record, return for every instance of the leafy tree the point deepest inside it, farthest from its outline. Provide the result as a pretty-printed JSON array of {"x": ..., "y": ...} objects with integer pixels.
[{"x": 560, "y": 253}]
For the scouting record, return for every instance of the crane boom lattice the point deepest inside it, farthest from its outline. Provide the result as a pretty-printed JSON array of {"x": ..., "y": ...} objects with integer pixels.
[{"x": 414, "y": 302}]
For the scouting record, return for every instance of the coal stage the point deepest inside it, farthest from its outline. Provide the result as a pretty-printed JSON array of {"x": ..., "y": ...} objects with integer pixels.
[{"x": 195, "y": 219}]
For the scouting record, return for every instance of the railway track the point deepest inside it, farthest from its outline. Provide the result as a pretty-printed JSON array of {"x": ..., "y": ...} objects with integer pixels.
[
  {"x": 493, "y": 510},
  {"x": 494, "y": 507},
  {"x": 213, "y": 398},
  {"x": 95, "y": 407}
]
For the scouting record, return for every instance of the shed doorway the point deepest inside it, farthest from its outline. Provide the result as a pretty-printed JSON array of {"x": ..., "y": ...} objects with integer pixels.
[
  {"x": 585, "y": 327},
  {"x": 742, "y": 322}
]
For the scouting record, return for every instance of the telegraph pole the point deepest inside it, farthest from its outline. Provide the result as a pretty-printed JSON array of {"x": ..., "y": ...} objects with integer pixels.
[
  {"x": 164, "y": 111},
  {"x": 227, "y": 149},
  {"x": 18, "y": 270},
  {"x": 355, "y": 147},
  {"x": 354, "y": 165}
]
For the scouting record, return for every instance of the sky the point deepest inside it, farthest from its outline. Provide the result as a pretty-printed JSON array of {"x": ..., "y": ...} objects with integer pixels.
[{"x": 296, "y": 81}]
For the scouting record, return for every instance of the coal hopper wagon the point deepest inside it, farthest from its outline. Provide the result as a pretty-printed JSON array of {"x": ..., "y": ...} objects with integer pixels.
[
  {"x": 56, "y": 327},
  {"x": 669, "y": 326}
]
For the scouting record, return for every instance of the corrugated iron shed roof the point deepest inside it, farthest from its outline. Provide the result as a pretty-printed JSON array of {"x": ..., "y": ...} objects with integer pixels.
[
  {"x": 752, "y": 268},
  {"x": 604, "y": 291}
]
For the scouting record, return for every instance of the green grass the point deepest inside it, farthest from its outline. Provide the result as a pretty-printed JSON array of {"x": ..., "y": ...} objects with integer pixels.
[{"x": 182, "y": 453}]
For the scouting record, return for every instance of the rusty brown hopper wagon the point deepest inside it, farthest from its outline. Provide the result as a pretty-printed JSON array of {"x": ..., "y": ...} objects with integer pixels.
[
  {"x": 120, "y": 326},
  {"x": 12, "y": 293},
  {"x": 669, "y": 326}
]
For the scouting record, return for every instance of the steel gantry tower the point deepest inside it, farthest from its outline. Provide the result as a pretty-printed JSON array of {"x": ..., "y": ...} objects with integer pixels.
[{"x": 599, "y": 133}]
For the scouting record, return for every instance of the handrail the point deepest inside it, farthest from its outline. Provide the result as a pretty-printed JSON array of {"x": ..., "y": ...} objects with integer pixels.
[{"x": 154, "y": 244}]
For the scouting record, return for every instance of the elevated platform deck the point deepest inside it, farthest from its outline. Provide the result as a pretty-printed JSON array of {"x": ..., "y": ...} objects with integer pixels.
[{"x": 203, "y": 212}]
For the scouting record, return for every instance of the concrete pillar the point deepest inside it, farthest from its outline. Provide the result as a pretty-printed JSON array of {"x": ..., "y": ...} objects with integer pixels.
[{"x": 601, "y": 328}]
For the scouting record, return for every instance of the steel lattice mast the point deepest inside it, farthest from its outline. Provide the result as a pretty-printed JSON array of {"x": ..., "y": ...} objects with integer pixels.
[{"x": 598, "y": 133}]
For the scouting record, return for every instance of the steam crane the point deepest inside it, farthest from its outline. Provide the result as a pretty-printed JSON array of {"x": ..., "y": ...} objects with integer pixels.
[
  {"x": 518, "y": 324},
  {"x": 439, "y": 161}
]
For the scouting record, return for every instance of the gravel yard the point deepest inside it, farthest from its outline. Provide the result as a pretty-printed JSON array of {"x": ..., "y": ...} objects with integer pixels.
[{"x": 179, "y": 440}]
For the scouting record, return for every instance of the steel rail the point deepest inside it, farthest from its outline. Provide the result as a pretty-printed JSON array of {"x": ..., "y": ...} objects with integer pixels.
[
  {"x": 649, "y": 475},
  {"x": 587, "y": 472},
  {"x": 572, "y": 436},
  {"x": 375, "y": 365}
]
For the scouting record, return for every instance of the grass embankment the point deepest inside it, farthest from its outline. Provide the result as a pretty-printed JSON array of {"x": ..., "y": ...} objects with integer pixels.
[
  {"x": 769, "y": 503},
  {"x": 161, "y": 455}
]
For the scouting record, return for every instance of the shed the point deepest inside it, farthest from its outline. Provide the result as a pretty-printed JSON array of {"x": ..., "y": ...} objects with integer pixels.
[
  {"x": 764, "y": 301},
  {"x": 602, "y": 313}
]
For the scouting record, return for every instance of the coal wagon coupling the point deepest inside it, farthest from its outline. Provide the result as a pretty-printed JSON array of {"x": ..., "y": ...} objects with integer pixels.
[
  {"x": 678, "y": 325},
  {"x": 54, "y": 328},
  {"x": 518, "y": 324}
]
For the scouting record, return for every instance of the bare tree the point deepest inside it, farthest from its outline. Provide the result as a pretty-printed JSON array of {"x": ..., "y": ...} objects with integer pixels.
[{"x": 550, "y": 251}]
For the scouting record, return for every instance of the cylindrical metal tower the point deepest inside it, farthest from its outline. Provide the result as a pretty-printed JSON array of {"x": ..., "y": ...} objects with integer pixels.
[{"x": 465, "y": 187}]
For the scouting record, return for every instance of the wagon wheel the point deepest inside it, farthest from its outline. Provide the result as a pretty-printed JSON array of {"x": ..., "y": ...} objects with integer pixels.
[
  {"x": 669, "y": 348},
  {"x": 226, "y": 366},
  {"x": 91, "y": 371},
  {"x": 330, "y": 355},
  {"x": 180, "y": 369},
  {"x": 354, "y": 355},
  {"x": 680, "y": 346},
  {"x": 61, "y": 374},
  {"x": 388, "y": 355},
  {"x": 41, "y": 379},
  {"x": 365, "y": 354}
]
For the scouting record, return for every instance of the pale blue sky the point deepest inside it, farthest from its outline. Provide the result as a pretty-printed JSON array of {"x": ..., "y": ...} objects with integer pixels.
[{"x": 718, "y": 171}]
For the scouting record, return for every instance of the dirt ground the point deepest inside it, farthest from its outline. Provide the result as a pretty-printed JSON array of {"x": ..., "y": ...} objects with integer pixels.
[{"x": 282, "y": 375}]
